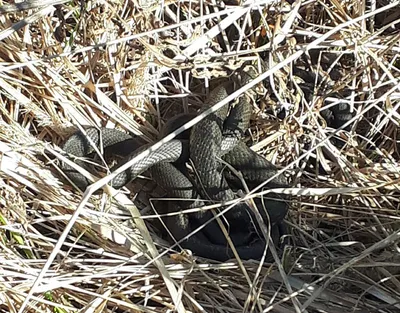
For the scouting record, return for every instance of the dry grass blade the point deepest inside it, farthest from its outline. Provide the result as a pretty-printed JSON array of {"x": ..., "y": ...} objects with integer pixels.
[
  {"x": 28, "y": 5},
  {"x": 65, "y": 65}
]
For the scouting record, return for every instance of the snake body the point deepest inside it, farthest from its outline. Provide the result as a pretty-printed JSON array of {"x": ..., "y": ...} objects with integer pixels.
[{"x": 216, "y": 136}]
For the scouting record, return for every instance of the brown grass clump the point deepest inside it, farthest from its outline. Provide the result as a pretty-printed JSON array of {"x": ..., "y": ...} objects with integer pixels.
[{"x": 134, "y": 64}]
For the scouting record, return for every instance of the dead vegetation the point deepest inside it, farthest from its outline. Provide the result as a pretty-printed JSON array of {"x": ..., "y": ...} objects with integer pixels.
[{"x": 133, "y": 64}]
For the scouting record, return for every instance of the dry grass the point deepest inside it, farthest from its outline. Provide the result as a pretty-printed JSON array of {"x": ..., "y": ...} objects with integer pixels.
[{"x": 133, "y": 64}]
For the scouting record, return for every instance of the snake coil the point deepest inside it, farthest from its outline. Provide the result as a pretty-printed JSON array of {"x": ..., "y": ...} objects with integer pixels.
[{"x": 218, "y": 136}]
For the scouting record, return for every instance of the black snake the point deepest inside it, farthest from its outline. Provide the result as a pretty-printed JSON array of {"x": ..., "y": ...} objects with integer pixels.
[{"x": 216, "y": 137}]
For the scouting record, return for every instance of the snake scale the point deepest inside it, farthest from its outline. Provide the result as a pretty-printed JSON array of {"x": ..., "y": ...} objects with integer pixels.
[{"x": 214, "y": 140}]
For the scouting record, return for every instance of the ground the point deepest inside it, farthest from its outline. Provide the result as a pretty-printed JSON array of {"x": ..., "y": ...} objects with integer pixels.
[{"x": 329, "y": 120}]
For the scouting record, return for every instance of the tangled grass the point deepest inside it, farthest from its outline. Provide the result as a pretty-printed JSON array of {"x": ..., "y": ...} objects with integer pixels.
[{"x": 133, "y": 64}]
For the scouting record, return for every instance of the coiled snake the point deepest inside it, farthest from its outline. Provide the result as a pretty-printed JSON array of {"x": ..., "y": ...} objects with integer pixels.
[{"x": 216, "y": 137}]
